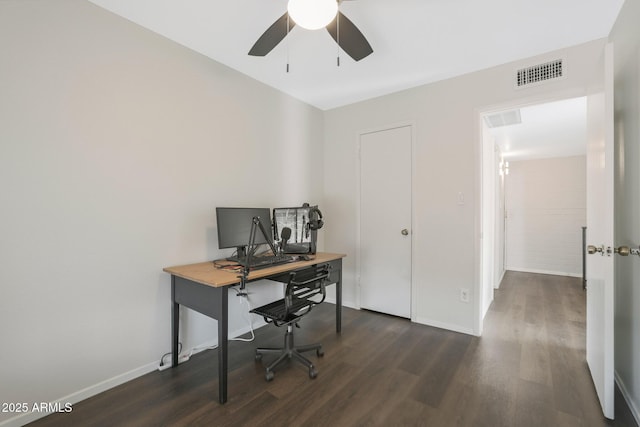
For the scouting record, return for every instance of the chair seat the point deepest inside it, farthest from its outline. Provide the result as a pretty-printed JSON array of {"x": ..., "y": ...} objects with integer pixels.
[
  {"x": 305, "y": 289},
  {"x": 277, "y": 310}
]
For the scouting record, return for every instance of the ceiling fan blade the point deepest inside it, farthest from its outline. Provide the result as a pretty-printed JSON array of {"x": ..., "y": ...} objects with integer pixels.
[
  {"x": 274, "y": 35},
  {"x": 351, "y": 39}
]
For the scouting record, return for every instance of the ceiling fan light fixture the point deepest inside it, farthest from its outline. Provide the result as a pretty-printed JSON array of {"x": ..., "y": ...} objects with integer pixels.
[{"x": 312, "y": 14}]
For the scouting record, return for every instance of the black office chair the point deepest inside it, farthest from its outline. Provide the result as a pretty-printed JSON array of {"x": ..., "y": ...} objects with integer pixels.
[{"x": 305, "y": 289}]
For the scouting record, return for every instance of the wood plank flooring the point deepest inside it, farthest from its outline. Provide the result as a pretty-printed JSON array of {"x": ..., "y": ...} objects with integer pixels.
[{"x": 528, "y": 369}]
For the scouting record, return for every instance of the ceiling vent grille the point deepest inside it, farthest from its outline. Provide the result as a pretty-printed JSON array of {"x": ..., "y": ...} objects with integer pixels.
[
  {"x": 504, "y": 118},
  {"x": 539, "y": 73}
]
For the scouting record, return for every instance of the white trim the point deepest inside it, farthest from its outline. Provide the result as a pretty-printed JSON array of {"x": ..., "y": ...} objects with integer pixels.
[
  {"x": 478, "y": 318},
  {"x": 479, "y": 112},
  {"x": 344, "y": 304},
  {"x": 112, "y": 382},
  {"x": 358, "y": 215},
  {"x": 83, "y": 394},
  {"x": 627, "y": 398},
  {"x": 497, "y": 284},
  {"x": 529, "y": 101},
  {"x": 442, "y": 325},
  {"x": 536, "y": 271}
]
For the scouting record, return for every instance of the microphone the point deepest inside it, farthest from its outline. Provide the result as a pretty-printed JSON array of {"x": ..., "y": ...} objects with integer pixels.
[{"x": 284, "y": 236}]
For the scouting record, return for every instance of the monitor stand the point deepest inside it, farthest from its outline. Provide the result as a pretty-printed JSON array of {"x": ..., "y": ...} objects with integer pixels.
[{"x": 241, "y": 253}]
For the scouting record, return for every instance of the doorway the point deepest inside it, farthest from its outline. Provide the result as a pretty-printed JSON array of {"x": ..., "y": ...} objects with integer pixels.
[
  {"x": 540, "y": 150},
  {"x": 510, "y": 137}
]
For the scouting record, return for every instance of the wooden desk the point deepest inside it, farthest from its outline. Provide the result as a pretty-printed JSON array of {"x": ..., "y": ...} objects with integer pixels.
[{"x": 203, "y": 288}]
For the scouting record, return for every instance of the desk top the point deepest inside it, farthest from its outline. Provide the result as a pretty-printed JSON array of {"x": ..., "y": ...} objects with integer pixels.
[{"x": 207, "y": 274}]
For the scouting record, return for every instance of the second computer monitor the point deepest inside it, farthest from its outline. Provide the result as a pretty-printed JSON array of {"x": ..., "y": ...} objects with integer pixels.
[
  {"x": 303, "y": 238},
  {"x": 234, "y": 227}
]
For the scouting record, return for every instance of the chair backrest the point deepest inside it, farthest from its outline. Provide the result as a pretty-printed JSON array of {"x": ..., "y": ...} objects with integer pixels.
[{"x": 305, "y": 289}]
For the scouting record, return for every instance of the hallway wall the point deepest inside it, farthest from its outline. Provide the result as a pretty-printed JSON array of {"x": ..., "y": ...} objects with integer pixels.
[{"x": 546, "y": 210}]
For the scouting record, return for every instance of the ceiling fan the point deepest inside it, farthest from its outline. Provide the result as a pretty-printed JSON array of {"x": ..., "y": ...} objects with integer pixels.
[{"x": 341, "y": 29}]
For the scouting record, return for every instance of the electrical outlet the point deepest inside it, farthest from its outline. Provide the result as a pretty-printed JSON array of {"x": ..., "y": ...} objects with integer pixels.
[{"x": 464, "y": 294}]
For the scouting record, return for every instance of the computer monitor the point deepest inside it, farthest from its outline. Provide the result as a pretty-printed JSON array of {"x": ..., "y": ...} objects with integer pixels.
[
  {"x": 234, "y": 227},
  {"x": 303, "y": 238}
]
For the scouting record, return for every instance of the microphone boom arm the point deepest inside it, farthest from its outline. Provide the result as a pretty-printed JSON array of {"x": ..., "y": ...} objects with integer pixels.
[{"x": 251, "y": 249}]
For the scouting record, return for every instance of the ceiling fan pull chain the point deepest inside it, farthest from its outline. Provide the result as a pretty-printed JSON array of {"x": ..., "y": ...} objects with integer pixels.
[
  {"x": 338, "y": 38},
  {"x": 288, "y": 42}
]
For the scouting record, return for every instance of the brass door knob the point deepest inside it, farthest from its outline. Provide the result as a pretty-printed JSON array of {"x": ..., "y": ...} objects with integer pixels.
[
  {"x": 591, "y": 249},
  {"x": 622, "y": 250}
]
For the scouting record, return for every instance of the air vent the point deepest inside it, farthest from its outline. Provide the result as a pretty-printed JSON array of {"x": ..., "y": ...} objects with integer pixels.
[
  {"x": 539, "y": 73},
  {"x": 504, "y": 118}
]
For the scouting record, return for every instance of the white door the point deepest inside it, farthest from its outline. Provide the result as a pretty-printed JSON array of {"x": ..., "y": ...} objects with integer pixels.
[
  {"x": 385, "y": 221},
  {"x": 600, "y": 269}
]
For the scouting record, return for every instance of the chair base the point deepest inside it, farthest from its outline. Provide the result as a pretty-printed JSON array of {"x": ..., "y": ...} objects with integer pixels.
[{"x": 289, "y": 351}]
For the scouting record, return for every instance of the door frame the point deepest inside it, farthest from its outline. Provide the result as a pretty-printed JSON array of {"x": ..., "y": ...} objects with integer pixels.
[
  {"x": 606, "y": 399},
  {"x": 411, "y": 124},
  {"x": 479, "y": 113}
]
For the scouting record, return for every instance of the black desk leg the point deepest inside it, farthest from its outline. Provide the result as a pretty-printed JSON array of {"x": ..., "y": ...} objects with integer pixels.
[
  {"x": 175, "y": 323},
  {"x": 339, "y": 301},
  {"x": 223, "y": 342}
]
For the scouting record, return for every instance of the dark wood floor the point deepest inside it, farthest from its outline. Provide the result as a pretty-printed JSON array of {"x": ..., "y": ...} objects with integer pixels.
[{"x": 528, "y": 369}]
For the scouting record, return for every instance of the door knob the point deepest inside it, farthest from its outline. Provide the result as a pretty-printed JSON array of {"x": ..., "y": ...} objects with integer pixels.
[
  {"x": 622, "y": 250},
  {"x": 593, "y": 249},
  {"x": 405, "y": 232}
]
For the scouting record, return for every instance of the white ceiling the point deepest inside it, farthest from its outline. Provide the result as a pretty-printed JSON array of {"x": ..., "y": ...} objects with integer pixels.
[
  {"x": 414, "y": 41},
  {"x": 555, "y": 129}
]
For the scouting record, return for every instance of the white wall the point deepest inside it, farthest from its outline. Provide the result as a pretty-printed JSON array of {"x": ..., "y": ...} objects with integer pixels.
[
  {"x": 447, "y": 157},
  {"x": 626, "y": 39},
  {"x": 546, "y": 210},
  {"x": 116, "y": 145}
]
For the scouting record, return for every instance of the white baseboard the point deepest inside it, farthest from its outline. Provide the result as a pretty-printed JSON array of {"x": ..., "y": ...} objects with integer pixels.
[
  {"x": 627, "y": 398},
  {"x": 553, "y": 273},
  {"x": 421, "y": 320},
  {"x": 344, "y": 303},
  {"x": 442, "y": 325},
  {"x": 110, "y": 383},
  {"x": 83, "y": 394}
]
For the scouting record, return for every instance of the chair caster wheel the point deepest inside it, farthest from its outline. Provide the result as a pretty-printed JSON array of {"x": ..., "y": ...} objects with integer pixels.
[
  {"x": 268, "y": 376},
  {"x": 258, "y": 356},
  {"x": 312, "y": 372},
  {"x": 319, "y": 352}
]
